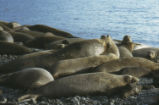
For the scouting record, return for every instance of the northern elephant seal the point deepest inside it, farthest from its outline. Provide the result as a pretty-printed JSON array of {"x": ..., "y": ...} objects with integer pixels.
[
  {"x": 44, "y": 28},
  {"x": 135, "y": 71},
  {"x": 13, "y": 25},
  {"x": 117, "y": 65},
  {"x": 6, "y": 37},
  {"x": 32, "y": 33},
  {"x": 41, "y": 59},
  {"x": 5, "y": 27},
  {"x": 13, "y": 48},
  {"x": 91, "y": 47},
  {"x": 41, "y": 42},
  {"x": 21, "y": 37},
  {"x": 21, "y": 28},
  {"x": 65, "y": 41},
  {"x": 71, "y": 66},
  {"x": 27, "y": 78},
  {"x": 126, "y": 47},
  {"x": 46, "y": 59},
  {"x": 83, "y": 84},
  {"x": 1, "y": 28},
  {"x": 148, "y": 53}
]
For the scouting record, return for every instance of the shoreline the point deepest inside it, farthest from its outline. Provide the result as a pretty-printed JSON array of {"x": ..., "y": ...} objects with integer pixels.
[{"x": 10, "y": 95}]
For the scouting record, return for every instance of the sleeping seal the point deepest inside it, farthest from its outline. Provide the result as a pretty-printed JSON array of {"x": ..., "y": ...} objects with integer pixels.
[
  {"x": 27, "y": 78},
  {"x": 83, "y": 84}
]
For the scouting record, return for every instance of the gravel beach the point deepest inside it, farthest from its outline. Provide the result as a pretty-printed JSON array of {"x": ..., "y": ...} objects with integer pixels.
[{"x": 145, "y": 97}]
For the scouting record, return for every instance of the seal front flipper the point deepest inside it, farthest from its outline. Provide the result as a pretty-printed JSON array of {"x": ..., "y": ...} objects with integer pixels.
[{"x": 28, "y": 97}]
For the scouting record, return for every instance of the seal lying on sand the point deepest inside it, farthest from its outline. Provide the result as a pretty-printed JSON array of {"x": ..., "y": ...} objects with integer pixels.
[
  {"x": 117, "y": 65},
  {"x": 126, "y": 47},
  {"x": 83, "y": 84},
  {"x": 32, "y": 33},
  {"x": 44, "y": 28},
  {"x": 135, "y": 71},
  {"x": 5, "y": 27},
  {"x": 46, "y": 59},
  {"x": 1, "y": 28},
  {"x": 6, "y": 37},
  {"x": 70, "y": 66},
  {"x": 21, "y": 28},
  {"x": 13, "y": 25},
  {"x": 65, "y": 41},
  {"x": 148, "y": 53},
  {"x": 92, "y": 47},
  {"x": 21, "y": 37},
  {"x": 41, "y": 42},
  {"x": 27, "y": 78},
  {"x": 14, "y": 49},
  {"x": 37, "y": 59}
]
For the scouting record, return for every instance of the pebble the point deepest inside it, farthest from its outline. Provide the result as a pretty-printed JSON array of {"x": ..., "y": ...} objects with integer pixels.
[{"x": 10, "y": 95}]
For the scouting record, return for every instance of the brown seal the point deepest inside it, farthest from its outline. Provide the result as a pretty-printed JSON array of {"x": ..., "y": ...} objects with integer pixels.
[
  {"x": 148, "y": 53},
  {"x": 21, "y": 28},
  {"x": 65, "y": 41},
  {"x": 41, "y": 59},
  {"x": 71, "y": 66},
  {"x": 126, "y": 47},
  {"x": 46, "y": 59},
  {"x": 21, "y": 37},
  {"x": 14, "y": 49},
  {"x": 135, "y": 71},
  {"x": 91, "y": 47},
  {"x": 1, "y": 28},
  {"x": 44, "y": 28},
  {"x": 117, "y": 65},
  {"x": 6, "y": 37},
  {"x": 32, "y": 33},
  {"x": 5, "y": 27},
  {"x": 84, "y": 84},
  {"x": 41, "y": 42},
  {"x": 13, "y": 25},
  {"x": 27, "y": 78}
]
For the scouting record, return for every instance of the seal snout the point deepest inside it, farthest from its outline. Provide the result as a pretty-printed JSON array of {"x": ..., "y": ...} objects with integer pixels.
[{"x": 131, "y": 79}]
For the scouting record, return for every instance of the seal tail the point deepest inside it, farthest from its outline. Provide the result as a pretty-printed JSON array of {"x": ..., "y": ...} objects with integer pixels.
[{"x": 28, "y": 97}]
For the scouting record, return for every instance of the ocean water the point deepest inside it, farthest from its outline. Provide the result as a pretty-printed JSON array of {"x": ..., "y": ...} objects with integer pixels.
[{"x": 90, "y": 18}]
